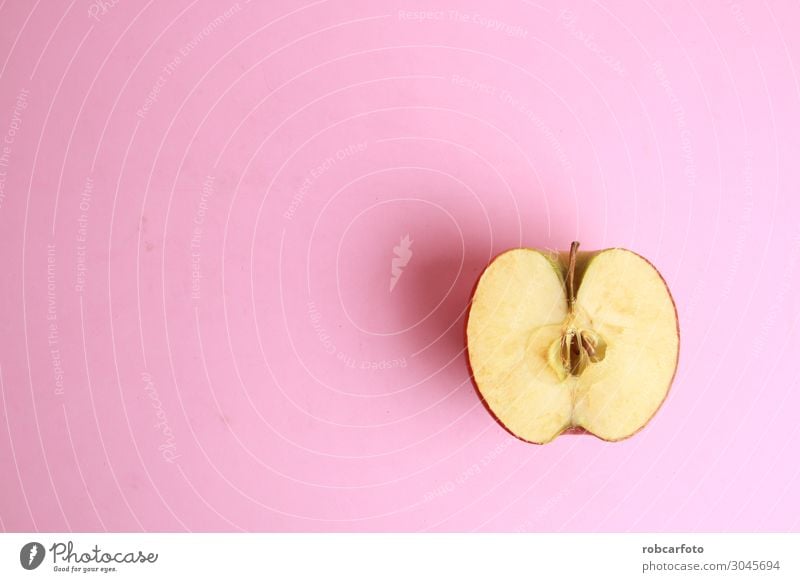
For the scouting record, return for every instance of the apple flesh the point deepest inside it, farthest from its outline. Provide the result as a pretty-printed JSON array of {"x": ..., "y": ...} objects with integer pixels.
[{"x": 579, "y": 341}]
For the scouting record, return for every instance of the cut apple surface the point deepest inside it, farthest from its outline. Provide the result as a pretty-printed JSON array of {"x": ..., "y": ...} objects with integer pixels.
[{"x": 588, "y": 340}]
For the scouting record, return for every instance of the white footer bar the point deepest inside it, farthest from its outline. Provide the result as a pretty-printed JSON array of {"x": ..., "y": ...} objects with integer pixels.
[{"x": 401, "y": 557}]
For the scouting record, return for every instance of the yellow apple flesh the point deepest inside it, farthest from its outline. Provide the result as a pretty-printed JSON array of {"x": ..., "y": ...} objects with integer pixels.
[{"x": 589, "y": 342}]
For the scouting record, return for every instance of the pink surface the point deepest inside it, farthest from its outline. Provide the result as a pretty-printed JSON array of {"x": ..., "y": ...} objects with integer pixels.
[{"x": 199, "y": 208}]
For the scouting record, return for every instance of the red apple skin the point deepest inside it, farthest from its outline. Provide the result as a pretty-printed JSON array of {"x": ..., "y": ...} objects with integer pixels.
[{"x": 573, "y": 430}]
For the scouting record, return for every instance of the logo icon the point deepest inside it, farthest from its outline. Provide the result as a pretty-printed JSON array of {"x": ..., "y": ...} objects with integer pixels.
[
  {"x": 402, "y": 255},
  {"x": 31, "y": 555}
]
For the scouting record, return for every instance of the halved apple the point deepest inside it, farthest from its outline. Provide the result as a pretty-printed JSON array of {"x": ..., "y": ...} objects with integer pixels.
[{"x": 584, "y": 340}]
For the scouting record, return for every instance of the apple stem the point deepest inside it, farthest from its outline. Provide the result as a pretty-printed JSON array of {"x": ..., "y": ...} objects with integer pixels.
[{"x": 573, "y": 257}]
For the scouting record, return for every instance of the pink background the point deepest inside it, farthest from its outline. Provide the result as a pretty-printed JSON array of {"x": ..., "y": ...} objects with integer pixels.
[{"x": 284, "y": 150}]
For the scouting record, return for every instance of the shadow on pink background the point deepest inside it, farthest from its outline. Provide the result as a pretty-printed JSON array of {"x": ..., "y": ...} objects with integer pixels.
[{"x": 203, "y": 207}]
